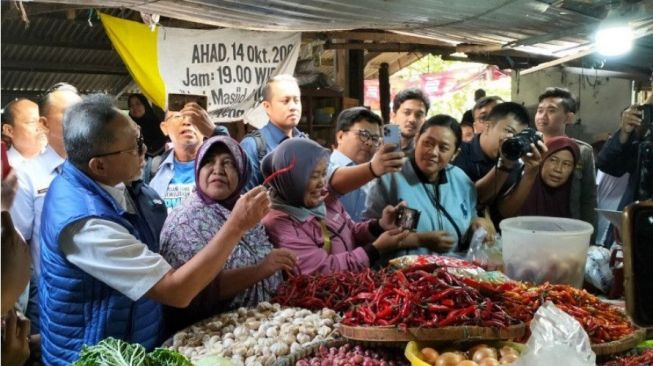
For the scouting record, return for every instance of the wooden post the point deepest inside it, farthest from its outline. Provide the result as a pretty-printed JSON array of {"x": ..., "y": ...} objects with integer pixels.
[
  {"x": 384, "y": 91},
  {"x": 356, "y": 74}
]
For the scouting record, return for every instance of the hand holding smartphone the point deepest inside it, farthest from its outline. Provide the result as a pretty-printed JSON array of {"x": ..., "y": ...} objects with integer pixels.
[{"x": 392, "y": 135}]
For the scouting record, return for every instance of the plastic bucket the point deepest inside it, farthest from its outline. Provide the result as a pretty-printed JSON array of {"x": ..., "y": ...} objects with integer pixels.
[{"x": 542, "y": 249}]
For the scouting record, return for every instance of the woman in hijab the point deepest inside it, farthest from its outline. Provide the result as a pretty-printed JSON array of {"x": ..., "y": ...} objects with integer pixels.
[
  {"x": 252, "y": 272},
  {"x": 310, "y": 220},
  {"x": 440, "y": 191},
  {"x": 143, "y": 114},
  {"x": 550, "y": 193}
]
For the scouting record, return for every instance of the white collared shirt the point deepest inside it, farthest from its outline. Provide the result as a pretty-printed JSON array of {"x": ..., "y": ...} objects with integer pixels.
[
  {"x": 34, "y": 178},
  {"x": 111, "y": 254}
]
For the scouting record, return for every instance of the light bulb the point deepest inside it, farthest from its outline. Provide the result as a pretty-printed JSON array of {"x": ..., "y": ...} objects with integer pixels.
[{"x": 614, "y": 40}]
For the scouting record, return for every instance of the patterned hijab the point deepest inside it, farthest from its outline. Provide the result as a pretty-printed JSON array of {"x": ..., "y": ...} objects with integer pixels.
[
  {"x": 289, "y": 188},
  {"x": 544, "y": 200},
  {"x": 241, "y": 164}
]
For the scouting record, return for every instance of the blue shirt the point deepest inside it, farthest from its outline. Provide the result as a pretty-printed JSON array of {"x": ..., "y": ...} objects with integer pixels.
[
  {"x": 353, "y": 201},
  {"x": 273, "y": 136},
  {"x": 174, "y": 181},
  {"x": 454, "y": 193}
]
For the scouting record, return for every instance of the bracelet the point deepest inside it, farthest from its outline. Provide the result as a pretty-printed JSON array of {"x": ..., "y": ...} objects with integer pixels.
[{"x": 369, "y": 165}]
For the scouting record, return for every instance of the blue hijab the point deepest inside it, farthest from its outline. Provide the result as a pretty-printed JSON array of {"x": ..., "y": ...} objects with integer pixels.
[{"x": 288, "y": 188}]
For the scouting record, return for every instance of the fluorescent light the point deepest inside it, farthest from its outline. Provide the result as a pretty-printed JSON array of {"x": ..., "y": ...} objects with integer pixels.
[{"x": 614, "y": 40}]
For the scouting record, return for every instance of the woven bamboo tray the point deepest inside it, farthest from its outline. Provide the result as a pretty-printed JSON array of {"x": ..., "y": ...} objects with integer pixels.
[
  {"x": 621, "y": 345},
  {"x": 394, "y": 334}
]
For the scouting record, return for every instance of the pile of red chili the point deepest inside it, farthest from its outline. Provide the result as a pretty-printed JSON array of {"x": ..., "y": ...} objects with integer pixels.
[
  {"x": 644, "y": 359},
  {"x": 602, "y": 322},
  {"x": 416, "y": 298},
  {"x": 336, "y": 291}
]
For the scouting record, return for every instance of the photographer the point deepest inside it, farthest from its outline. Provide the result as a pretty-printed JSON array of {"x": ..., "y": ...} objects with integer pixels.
[
  {"x": 619, "y": 154},
  {"x": 479, "y": 158}
]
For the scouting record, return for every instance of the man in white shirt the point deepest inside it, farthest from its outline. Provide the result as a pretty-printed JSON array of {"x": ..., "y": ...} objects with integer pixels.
[
  {"x": 20, "y": 123},
  {"x": 102, "y": 275},
  {"x": 34, "y": 178}
]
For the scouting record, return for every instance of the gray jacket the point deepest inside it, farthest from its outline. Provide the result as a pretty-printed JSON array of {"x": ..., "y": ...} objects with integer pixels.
[{"x": 583, "y": 186}]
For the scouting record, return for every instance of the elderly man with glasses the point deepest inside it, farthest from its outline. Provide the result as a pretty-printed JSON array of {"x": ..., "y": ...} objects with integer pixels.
[
  {"x": 102, "y": 273},
  {"x": 358, "y": 138}
]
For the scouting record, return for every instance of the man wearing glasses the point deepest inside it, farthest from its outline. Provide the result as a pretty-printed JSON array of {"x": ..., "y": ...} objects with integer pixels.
[
  {"x": 481, "y": 112},
  {"x": 358, "y": 158},
  {"x": 102, "y": 274},
  {"x": 175, "y": 176}
]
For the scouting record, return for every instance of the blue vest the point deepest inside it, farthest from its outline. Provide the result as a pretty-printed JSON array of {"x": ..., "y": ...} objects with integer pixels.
[{"x": 75, "y": 308}]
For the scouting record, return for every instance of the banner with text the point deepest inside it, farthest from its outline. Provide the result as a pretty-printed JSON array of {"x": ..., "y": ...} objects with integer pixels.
[{"x": 229, "y": 66}]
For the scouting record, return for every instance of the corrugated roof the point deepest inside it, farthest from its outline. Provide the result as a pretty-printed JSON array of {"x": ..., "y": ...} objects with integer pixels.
[{"x": 59, "y": 44}]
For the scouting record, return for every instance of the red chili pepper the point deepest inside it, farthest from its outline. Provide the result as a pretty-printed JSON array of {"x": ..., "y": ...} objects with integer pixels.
[{"x": 280, "y": 171}]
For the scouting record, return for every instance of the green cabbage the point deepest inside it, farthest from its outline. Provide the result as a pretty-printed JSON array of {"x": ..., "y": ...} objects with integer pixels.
[{"x": 115, "y": 352}]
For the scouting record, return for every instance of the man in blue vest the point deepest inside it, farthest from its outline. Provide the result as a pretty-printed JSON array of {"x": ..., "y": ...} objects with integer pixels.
[{"x": 101, "y": 273}]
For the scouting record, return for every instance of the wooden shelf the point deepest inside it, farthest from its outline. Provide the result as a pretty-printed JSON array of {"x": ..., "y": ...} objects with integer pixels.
[{"x": 315, "y": 101}]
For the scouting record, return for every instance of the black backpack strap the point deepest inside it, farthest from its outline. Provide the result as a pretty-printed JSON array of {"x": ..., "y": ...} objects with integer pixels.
[{"x": 259, "y": 140}]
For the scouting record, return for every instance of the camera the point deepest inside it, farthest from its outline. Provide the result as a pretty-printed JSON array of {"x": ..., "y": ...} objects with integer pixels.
[
  {"x": 407, "y": 218},
  {"x": 520, "y": 144}
]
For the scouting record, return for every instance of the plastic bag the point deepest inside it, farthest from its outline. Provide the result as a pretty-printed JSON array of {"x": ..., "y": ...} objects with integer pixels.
[
  {"x": 597, "y": 268},
  {"x": 483, "y": 252},
  {"x": 556, "y": 339}
]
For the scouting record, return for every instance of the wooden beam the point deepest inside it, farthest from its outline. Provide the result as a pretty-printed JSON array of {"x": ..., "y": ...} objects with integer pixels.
[
  {"x": 389, "y": 47},
  {"x": 68, "y": 45},
  {"x": 372, "y": 36},
  {"x": 45, "y": 66}
]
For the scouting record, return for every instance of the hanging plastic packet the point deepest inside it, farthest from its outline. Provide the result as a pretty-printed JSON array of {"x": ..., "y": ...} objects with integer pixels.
[
  {"x": 485, "y": 252},
  {"x": 556, "y": 339}
]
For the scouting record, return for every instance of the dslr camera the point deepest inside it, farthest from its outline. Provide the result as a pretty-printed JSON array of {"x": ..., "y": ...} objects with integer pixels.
[{"x": 520, "y": 144}]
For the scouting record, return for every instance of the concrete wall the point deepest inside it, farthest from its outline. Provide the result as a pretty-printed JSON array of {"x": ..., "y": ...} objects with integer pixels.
[{"x": 602, "y": 97}]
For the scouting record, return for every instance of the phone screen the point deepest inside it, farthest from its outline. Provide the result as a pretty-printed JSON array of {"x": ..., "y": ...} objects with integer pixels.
[{"x": 176, "y": 102}]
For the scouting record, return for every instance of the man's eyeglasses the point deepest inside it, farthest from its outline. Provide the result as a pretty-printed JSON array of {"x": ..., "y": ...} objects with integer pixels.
[
  {"x": 140, "y": 146},
  {"x": 365, "y": 136}
]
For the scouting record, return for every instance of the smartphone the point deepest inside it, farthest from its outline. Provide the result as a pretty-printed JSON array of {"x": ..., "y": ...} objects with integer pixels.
[
  {"x": 392, "y": 135},
  {"x": 176, "y": 102},
  {"x": 407, "y": 218},
  {"x": 6, "y": 168}
]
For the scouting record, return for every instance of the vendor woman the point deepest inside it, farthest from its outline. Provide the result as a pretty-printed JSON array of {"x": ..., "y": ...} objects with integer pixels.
[
  {"x": 441, "y": 192},
  {"x": 253, "y": 270}
]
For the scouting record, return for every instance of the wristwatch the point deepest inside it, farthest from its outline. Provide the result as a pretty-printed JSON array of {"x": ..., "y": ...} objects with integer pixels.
[{"x": 503, "y": 166}]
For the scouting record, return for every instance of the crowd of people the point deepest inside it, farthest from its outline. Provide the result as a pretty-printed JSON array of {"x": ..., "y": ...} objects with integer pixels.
[{"x": 136, "y": 226}]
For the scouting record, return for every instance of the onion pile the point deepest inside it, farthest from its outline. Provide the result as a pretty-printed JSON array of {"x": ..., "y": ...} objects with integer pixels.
[
  {"x": 480, "y": 355},
  {"x": 354, "y": 355}
]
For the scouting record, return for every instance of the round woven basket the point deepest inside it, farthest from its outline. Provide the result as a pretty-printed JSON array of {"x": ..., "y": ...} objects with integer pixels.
[
  {"x": 624, "y": 344},
  {"x": 394, "y": 334}
]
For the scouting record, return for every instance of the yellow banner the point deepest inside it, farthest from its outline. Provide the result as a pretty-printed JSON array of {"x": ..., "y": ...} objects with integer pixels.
[{"x": 137, "y": 46}]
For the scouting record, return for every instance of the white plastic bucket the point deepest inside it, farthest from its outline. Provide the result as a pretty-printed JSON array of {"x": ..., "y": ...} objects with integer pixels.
[{"x": 545, "y": 249}]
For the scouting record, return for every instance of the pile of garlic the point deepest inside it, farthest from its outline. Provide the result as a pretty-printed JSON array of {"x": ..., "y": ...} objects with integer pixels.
[{"x": 256, "y": 336}]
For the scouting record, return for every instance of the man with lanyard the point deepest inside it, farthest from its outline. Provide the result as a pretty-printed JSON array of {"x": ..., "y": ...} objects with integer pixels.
[{"x": 282, "y": 103}]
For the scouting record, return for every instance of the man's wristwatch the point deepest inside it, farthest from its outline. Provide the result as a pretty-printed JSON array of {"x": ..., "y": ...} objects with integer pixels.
[{"x": 504, "y": 166}]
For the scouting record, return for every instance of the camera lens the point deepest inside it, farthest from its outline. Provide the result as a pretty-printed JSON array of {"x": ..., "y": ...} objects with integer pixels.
[{"x": 512, "y": 148}]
